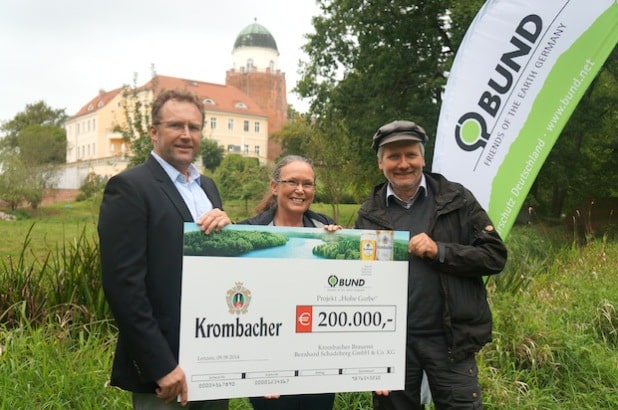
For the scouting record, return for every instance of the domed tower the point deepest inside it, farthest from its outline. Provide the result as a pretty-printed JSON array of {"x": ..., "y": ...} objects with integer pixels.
[{"x": 256, "y": 73}]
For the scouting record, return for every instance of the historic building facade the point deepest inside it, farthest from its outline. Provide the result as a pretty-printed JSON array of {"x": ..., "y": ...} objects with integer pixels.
[{"x": 239, "y": 115}]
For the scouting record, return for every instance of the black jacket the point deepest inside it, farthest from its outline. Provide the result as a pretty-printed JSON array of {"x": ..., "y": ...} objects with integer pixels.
[
  {"x": 310, "y": 219},
  {"x": 470, "y": 248},
  {"x": 141, "y": 236}
]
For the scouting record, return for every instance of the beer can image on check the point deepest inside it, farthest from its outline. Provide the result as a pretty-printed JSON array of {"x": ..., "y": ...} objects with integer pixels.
[
  {"x": 384, "y": 250},
  {"x": 368, "y": 245}
]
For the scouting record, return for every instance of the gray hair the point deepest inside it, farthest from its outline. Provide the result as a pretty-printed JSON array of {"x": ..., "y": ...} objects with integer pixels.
[
  {"x": 270, "y": 201},
  {"x": 422, "y": 148}
]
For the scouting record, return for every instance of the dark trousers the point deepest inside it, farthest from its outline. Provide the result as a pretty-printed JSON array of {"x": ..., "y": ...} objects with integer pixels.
[
  {"x": 453, "y": 385},
  {"x": 323, "y": 401},
  {"x": 150, "y": 401}
]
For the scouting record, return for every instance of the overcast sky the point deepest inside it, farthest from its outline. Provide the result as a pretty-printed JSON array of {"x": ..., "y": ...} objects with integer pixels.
[{"x": 65, "y": 51}]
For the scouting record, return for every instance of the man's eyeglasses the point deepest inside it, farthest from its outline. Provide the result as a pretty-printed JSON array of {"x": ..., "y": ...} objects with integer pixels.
[
  {"x": 292, "y": 183},
  {"x": 179, "y": 126}
]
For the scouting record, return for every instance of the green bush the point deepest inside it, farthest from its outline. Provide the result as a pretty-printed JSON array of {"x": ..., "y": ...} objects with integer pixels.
[{"x": 93, "y": 186}]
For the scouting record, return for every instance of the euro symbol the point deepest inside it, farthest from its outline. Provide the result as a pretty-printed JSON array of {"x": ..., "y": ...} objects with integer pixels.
[{"x": 304, "y": 319}]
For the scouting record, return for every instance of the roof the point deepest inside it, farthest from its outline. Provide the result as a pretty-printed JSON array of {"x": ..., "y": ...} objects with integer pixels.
[
  {"x": 98, "y": 102},
  {"x": 216, "y": 97},
  {"x": 255, "y": 35}
]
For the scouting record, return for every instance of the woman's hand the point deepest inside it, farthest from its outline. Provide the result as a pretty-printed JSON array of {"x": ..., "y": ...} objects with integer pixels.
[{"x": 332, "y": 228}]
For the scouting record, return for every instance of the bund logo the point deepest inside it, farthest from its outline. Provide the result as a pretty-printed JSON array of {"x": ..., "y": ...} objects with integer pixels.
[{"x": 238, "y": 299}]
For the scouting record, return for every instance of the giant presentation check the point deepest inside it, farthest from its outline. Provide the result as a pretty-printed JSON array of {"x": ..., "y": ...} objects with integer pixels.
[{"x": 276, "y": 310}]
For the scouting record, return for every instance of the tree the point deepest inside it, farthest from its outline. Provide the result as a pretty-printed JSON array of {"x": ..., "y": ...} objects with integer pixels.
[
  {"x": 211, "y": 153},
  {"x": 241, "y": 177},
  {"x": 582, "y": 164},
  {"x": 294, "y": 137},
  {"x": 11, "y": 178},
  {"x": 136, "y": 128},
  {"x": 23, "y": 182},
  {"x": 332, "y": 165},
  {"x": 92, "y": 187},
  {"x": 35, "y": 141},
  {"x": 38, "y": 113},
  {"x": 371, "y": 63},
  {"x": 42, "y": 144}
]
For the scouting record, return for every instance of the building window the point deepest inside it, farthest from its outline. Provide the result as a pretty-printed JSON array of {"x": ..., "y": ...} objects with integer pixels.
[
  {"x": 245, "y": 126},
  {"x": 245, "y": 148},
  {"x": 213, "y": 123},
  {"x": 256, "y": 127},
  {"x": 250, "y": 67},
  {"x": 233, "y": 148},
  {"x": 257, "y": 150},
  {"x": 271, "y": 65},
  {"x": 230, "y": 124}
]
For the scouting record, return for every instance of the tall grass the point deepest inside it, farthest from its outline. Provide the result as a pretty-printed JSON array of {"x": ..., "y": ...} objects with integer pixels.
[
  {"x": 555, "y": 326},
  {"x": 65, "y": 281},
  {"x": 57, "y": 366},
  {"x": 555, "y": 336}
]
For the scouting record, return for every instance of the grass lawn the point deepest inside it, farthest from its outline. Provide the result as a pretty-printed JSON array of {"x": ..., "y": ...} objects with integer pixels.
[{"x": 69, "y": 220}]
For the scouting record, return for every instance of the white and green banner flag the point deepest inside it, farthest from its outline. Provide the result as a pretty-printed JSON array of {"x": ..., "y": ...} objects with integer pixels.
[{"x": 521, "y": 69}]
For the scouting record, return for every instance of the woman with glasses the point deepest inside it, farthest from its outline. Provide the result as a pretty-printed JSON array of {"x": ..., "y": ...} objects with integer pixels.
[
  {"x": 291, "y": 193},
  {"x": 287, "y": 203}
]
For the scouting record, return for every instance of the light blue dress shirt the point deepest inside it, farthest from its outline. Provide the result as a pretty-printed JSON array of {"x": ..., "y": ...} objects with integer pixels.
[{"x": 192, "y": 193}]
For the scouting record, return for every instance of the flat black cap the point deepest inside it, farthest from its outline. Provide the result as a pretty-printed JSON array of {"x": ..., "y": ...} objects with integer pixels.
[{"x": 399, "y": 130}]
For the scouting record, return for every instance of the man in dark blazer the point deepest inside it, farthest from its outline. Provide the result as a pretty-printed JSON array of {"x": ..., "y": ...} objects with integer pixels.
[{"x": 141, "y": 238}]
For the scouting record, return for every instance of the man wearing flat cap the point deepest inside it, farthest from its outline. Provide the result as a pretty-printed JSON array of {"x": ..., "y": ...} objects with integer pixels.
[{"x": 452, "y": 246}]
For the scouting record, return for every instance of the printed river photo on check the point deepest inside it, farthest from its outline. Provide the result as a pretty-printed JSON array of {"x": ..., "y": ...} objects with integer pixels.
[{"x": 310, "y": 243}]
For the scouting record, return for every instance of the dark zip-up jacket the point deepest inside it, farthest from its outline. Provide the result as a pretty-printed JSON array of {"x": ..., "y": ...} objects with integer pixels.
[
  {"x": 310, "y": 219},
  {"x": 469, "y": 248}
]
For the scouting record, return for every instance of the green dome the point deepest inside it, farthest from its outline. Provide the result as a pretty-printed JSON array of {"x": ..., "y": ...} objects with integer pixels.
[{"x": 255, "y": 35}]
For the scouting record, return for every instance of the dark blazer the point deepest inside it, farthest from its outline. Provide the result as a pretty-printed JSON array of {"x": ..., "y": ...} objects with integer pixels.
[{"x": 141, "y": 236}]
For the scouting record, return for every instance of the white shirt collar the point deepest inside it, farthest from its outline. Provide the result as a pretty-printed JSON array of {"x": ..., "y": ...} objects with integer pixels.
[
  {"x": 173, "y": 173},
  {"x": 408, "y": 204}
]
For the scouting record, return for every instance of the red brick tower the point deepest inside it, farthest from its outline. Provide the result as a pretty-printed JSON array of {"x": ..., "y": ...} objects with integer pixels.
[{"x": 256, "y": 73}]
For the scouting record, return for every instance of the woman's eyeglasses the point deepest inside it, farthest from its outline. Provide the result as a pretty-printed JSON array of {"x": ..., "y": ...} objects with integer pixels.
[{"x": 292, "y": 183}]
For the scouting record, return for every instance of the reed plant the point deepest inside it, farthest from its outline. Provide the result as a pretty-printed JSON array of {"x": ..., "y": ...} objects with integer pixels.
[
  {"x": 57, "y": 365},
  {"x": 554, "y": 343},
  {"x": 63, "y": 282}
]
